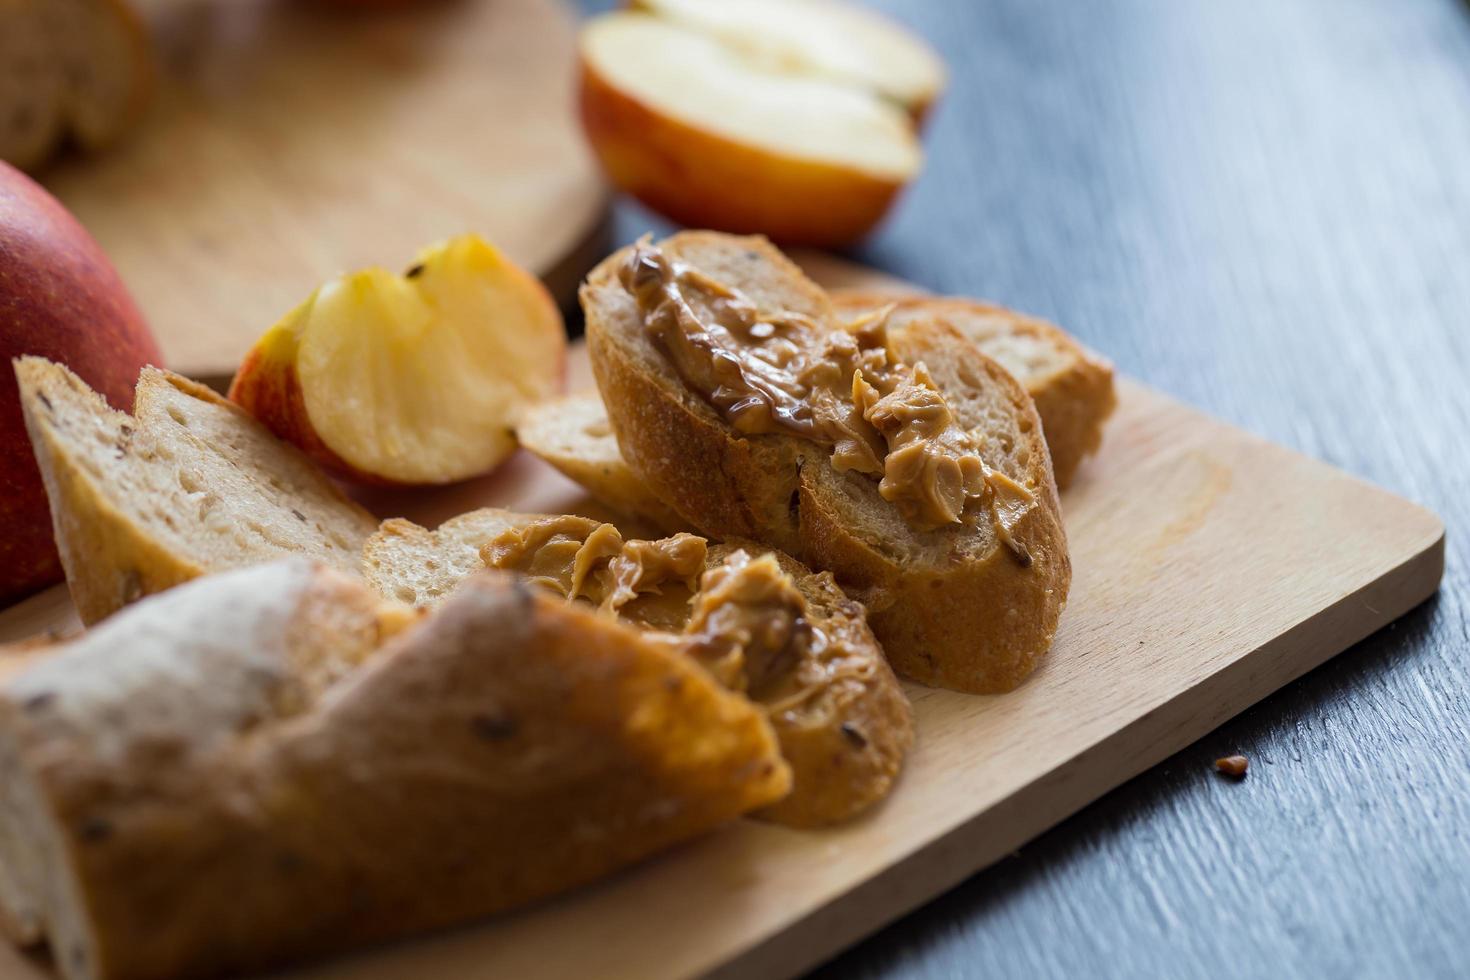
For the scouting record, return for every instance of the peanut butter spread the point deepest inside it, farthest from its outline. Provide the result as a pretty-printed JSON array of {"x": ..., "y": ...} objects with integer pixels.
[
  {"x": 743, "y": 619},
  {"x": 649, "y": 582},
  {"x": 753, "y": 629},
  {"x": 843, "y": 388}
]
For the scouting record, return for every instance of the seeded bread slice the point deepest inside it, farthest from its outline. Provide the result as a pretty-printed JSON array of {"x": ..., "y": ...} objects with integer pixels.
[
  {"x": 572, "y": 433},
  {"x": 271, "y": 763},
  {"x": 189, "y": 484},
  {"x": 1071, "y": 386},
  {"x": 953, "y": 607},
  {"x": 69, "y": 68}
]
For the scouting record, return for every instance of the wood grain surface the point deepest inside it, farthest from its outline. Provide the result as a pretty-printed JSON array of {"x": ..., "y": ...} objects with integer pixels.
[{"x": 292, "y": 141}]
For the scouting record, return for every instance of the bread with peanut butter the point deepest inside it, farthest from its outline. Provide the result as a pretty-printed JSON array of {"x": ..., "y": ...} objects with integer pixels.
[
  {"x": 1071, "y": 386},
  {"x": 272, "y": 763},
  {"x": 909, "y": 464},
  {"x": 186, "y": 485},
  {"x": 761, "y": 623}
]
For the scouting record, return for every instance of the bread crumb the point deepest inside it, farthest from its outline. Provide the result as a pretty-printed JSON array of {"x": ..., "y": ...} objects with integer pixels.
[{"x": 1233, "y": 766}]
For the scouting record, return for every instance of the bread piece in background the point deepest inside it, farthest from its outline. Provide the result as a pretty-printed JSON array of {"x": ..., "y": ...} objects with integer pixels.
[
  {"x": 270, "y": 764},
  {"x": 971, "y": 604},
  {"x": 187, "y": 484},
  {"x": 572, "y": 434},
  {"x": 1071, "y": 385},
  {"x": 78, "y": 70}
]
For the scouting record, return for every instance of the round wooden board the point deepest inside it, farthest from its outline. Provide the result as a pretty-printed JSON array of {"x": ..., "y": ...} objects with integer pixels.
[{"x": 293, "y": 140}]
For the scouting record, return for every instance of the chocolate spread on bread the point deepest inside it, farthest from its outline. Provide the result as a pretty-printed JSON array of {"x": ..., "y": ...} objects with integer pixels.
[{"x": 844, "y": 388}]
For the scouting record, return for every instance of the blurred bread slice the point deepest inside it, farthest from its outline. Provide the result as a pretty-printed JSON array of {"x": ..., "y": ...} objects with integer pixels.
[
  {"x": 272, "y": 763},
  {"x": 69, "y": 69},
  {"x": 1071, "y": 385}
]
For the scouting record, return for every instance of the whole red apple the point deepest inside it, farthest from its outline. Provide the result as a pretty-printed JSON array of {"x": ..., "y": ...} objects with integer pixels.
[{"x": 60, "y": 298}]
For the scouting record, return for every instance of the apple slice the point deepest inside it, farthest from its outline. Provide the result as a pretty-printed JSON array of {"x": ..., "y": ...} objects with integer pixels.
[
  {"x": 412, "y": 379},
  {"x": 820, "y": 38},
  {"x": 794, "y": 118}
]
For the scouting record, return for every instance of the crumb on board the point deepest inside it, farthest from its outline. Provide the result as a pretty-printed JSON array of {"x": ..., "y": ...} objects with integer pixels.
[{"x": 1233, "y": 766}]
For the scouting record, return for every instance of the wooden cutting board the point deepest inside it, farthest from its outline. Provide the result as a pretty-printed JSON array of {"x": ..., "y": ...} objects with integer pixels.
[
  {"x": 1211, "y": 568},
  {"x": 291, "y": 141}
]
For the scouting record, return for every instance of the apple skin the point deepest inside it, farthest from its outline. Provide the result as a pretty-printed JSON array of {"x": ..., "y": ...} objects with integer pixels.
[
  {"x": 687, "y": 174},
  {"x": 60, "y": 298},
  {"x": 268, "y": 387}
]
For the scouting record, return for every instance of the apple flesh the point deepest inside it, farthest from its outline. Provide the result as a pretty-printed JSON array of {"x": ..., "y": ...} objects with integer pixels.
[
  {"x": 410, "y": 380},
  {"x": 759, "y": 117},
  {"x": 818, "y": 38},
  {"x": 60, "y": 298}
]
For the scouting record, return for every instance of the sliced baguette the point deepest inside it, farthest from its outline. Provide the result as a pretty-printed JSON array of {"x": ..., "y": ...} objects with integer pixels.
[
  {"x": 953, "y": 606},
  {"x": 188, "y": 484},
  {"x": 1071, "y": 386},
  {"x": 78, "y": 69},
  {"x": 845, "y": 733},
  {"x": 270, "y": 764},
  {"x": 572, "y": 433}
]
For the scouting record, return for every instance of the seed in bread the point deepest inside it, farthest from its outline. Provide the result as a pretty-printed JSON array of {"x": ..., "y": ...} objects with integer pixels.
[
  {"x": 1071, "y": 385},
  {"x": 693, "y": 342},
  {"x": 271, "y": 763},
  {"x": 186, "y": 485}
]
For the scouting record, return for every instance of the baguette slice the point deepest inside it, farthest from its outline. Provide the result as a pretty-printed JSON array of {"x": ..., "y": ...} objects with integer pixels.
[
  {"x": 953, "y": 607},
  {"x": 79, "y": 69},
  {"x": 1071, "y": 385},
  {"x": 188, "y": 484},
  {"x": 572, "y": 434},
  {"x": 843, "y": 722},
  {"x": 270, "y": 764}
]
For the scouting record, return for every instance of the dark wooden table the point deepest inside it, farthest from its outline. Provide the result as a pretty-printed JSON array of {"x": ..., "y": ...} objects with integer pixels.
[{"x": 1261, "y": 207}]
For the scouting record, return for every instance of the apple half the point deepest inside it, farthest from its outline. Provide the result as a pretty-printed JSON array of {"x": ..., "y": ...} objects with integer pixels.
[
  {"x": 410, "y": 379},
  {"x": 794, "y": 118}
]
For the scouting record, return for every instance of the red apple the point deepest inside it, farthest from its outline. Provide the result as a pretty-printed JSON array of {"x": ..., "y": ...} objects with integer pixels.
[{"x": 60, "y": 298}]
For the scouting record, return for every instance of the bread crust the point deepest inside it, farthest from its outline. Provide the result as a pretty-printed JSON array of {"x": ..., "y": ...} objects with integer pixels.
[
  {"x": 1074, "y": 402},
  {"x": 998, "y": 617},
  {"x": 846, "y": 746},
  {"x": 504, "y": 749}
]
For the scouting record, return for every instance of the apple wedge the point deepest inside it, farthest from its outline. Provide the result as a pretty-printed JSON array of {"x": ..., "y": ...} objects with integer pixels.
[
  {"x": 797, "y": 119},
  {"x": 413, "y": 379}
]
